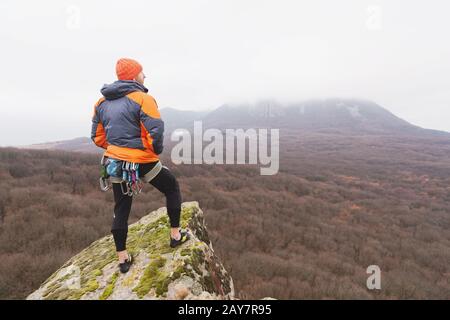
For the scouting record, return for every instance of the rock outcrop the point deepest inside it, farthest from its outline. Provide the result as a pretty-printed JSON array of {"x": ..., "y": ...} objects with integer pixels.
[{"x": 190, "y": 271}]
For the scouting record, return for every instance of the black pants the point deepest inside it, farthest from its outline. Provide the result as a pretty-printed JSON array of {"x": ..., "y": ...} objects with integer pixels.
[{"x": 165, "y": 182}]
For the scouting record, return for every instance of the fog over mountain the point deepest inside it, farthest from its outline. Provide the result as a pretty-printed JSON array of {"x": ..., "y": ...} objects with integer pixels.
[
  {"x": 57, "y": 55},
  {"x": 333, "y": 116}
]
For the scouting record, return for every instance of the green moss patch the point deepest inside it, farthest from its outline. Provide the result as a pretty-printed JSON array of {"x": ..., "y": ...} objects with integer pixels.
[
  {"x": 152, "y": 277},
  {"x": 109, "y": 287}
]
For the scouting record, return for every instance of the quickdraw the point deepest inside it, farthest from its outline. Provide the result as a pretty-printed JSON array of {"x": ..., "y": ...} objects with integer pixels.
[{"x": 130, "y": 176}]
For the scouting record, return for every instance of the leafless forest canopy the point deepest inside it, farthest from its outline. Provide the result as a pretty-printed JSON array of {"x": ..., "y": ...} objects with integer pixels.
[{"x": 337, "y": 206}]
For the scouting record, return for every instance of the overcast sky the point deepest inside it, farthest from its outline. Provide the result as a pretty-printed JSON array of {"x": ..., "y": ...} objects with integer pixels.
[{"x": 55, "y": 56}]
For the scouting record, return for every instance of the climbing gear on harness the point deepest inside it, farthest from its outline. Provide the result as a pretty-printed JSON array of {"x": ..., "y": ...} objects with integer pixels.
[
  {"x": 125, "y": 173},
  {"x": 130, "y": 175},
  {"x": 105, "y": 183},
  {"x": 114, "y": 168}
]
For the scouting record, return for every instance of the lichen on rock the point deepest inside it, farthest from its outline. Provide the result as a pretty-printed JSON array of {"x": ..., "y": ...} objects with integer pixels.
[{"x": 190, "y": 271}]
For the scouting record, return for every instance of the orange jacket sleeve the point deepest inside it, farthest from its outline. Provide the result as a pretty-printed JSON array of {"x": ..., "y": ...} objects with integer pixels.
[{"x": 98, "y": 134}]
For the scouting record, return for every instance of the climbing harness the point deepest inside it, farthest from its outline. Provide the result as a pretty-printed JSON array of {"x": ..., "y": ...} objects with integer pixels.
[{"x": 126, "y": 173}]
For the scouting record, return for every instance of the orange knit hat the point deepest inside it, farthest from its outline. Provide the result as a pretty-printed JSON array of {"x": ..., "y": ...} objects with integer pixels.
[{"x": 127, "y": 69}]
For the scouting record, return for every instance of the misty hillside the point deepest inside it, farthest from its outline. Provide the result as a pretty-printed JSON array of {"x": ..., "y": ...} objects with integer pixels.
[
  {"x": 314, "y": 114},
  {"x": 82, "y": 144},
  {"x": 331, "y": 116},
  {"x": 174, "y": 118}
]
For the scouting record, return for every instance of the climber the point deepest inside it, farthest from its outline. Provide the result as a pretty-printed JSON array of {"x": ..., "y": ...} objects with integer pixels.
[{"x": 127, "y": 123}]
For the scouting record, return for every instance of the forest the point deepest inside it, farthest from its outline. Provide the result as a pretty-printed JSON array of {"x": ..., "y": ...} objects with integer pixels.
[{"x": 308, "y": 232}]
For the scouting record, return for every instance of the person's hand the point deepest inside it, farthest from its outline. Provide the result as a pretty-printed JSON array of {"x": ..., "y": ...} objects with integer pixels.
[{"x": 157, "y": 147}]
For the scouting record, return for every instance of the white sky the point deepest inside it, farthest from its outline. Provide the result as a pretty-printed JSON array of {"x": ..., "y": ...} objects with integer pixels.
[{"x": 55, "y": 56}]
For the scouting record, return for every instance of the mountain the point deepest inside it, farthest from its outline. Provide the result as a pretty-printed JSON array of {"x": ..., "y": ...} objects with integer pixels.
[
  {"x": 174, "y": 118},
  {"x": 190, "y": 271},
  {"x": 330, "y": 116},
  {"x": 82, "y": 144}
]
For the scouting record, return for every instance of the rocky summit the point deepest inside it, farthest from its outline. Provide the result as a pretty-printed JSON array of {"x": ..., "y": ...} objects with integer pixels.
[{"x": 190, "y": 271}]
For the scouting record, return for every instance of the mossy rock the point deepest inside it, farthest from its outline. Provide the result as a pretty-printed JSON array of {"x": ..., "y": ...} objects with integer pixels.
[{"x": 190, "y": 271}]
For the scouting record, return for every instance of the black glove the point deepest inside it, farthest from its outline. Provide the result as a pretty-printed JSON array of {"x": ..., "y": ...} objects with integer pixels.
[{"x": 158, "y": 147}]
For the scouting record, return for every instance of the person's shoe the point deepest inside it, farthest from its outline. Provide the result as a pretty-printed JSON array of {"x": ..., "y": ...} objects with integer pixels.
[
  {"x": 125, "y": 266},
  {"x": 185, "y": 236}
]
